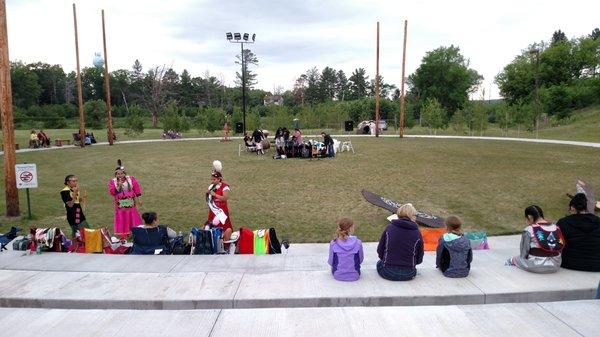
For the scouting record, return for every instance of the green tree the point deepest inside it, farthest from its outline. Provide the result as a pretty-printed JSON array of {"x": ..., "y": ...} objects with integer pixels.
[
  {"x": 25, "y": 87},
  {"x": 358, "y": 84},
  {"x": 249, "y": 76},
  {"x": 328, "y": 84},
  {"x": 342, "y": 89},
  {"x": 52, "y": 80},
  {"x": 558, "y": 37},
  {"x": 444, "y": 74},
  {"x": 433, "y": 114},
  {"x": 95, "y": 113},
  {"x": 134, "y": 122},
  {"x": 92, "y": 83}
]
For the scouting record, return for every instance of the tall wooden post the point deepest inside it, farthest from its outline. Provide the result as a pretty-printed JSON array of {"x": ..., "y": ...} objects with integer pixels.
[
  {"x": 79, "y": 90},
  {"x": 377, "y": 87},
  {"x": 8, "y": 127},
  {"x": 107, "y": 86},
  {"x": 402, "y": 83}
]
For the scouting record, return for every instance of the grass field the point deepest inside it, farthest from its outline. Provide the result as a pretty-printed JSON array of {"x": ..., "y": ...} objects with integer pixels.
[{"x": 487, "y": 183}]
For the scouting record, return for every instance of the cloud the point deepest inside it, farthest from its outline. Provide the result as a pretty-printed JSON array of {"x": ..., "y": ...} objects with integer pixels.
[{"x": 292, "y": 35}]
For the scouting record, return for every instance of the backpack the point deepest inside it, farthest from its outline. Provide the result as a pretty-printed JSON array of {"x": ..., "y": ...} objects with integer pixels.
[
  {"x": 217, "y": 240},
  {"x": 260, "y": 241},
  {"x": 178, "y": 247},
  {"x": 274, "y": 245},
  {"x": 549, "y": 241},
  {"x": 245, "y": 243},
  {"x": 202, "y": 241},
  {"x": 21, "y": 244}
]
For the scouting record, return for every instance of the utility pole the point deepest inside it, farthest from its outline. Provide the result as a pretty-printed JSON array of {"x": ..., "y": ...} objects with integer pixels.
[
  {"x": 107, "y": 86},
  {"x": 536, "y": 52},
  {"x": 79, "y": 90},
  {"x": 8, "y": 127},
  {"x": 402, "y": 99},
  {"x": 377, "y": 86}
]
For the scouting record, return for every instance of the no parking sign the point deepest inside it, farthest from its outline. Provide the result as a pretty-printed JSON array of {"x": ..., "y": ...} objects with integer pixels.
[{"x": 26, "y": 175}]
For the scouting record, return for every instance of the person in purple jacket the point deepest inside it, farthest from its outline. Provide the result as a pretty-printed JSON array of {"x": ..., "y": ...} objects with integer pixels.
[
  {"x": 345, "y": 253},
  {"x": 400, "y": 248}
]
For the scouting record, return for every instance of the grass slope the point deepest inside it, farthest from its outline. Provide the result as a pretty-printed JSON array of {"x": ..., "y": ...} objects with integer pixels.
[{"x": 487, "y": 183}]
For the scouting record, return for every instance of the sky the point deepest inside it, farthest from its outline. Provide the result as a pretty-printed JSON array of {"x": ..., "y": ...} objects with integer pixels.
[{"x": 292, "y": 36}]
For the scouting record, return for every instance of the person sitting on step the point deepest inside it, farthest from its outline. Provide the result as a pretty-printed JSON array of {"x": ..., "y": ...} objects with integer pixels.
[
  {"x": 582, "y": 236},
  {"x": 454, "y": 254},
  {"x": 541, "y": 244},
  {"x": 400, "y": 247},
  {"x": 345, "y": 252}
]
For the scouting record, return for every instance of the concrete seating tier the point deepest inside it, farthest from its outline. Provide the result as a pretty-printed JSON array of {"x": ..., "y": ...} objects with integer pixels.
[
  {"x": 298, "y": 278},
  {"x": 576, "y": 318}
]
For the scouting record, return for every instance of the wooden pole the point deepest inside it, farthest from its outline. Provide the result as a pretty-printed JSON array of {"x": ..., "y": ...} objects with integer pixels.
[
  {"x": 377, "y": 87},
  {"x": 107, "y": 86},
  {"x": 402, "y": 83},
  {"x": 79, "y": 90},
  {"x": 8, "y": 127}
]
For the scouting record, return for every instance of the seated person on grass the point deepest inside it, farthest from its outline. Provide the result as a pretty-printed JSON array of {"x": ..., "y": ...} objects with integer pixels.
[
  {"x": 582, "y": 236},
  {"x": 541, "y": 244},
  {"x": 454, "y": 254},
  {"x": 151, "y": 238}
]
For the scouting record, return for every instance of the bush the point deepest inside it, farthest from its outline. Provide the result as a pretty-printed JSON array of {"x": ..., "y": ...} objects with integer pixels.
[
  {"x": 95, "y": 114},
  {"x": 173, "y": 120},
  {"x": 557, "y": 101},
  {"x": 134, "y": 123}
]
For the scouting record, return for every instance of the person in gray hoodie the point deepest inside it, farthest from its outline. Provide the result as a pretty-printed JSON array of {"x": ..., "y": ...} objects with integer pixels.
[
  {"x": 345, "y": 253},
  {"x": 454, "y": 254}
]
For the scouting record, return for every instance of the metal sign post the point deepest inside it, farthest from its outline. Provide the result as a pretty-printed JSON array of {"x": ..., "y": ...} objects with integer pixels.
[{"x": 26, "y": 178}]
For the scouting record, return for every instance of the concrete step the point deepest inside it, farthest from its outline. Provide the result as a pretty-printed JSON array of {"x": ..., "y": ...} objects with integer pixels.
[
  {"x": 299, "y": 278},
  {"x": 577, "y": 318}
]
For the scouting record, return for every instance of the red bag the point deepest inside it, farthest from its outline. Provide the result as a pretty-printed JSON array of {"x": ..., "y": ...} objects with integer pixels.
[{"x": 246, "y": 241}]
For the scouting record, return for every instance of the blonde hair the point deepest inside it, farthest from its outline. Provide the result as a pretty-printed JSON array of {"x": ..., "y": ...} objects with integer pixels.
[
  {"x": 344, "y": 228},
  {"x": 407, "y": 211},
  {"x": 453, "y": 225}
]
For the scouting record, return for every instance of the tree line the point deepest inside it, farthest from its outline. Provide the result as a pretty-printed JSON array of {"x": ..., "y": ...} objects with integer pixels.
[{"x": 548, "y": 78}]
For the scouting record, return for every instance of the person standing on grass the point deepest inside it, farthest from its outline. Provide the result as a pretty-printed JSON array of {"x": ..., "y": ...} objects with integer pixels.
[
  {"x": 328, "y": 141},
  {"x": 345, "y": 252},
  {"x": 218, "y": 210},
  {"x": 71, "y": 197},
  {"x": 582, "y": 236},
  {"x": 400, "y": 248},
  {"x": 126, "y": 193}
]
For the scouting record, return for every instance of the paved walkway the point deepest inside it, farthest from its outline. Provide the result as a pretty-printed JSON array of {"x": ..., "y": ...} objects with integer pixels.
[
  {"x": 527, "y": 140},
  {"x": 298, "y": 278},
  {"x": 577, "y": 318}
]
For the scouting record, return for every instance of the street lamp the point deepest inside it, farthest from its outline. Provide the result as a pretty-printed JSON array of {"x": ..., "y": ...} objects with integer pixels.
[
  {"x": 237, "y": 38},
  {"x": 536, "y": 52}
]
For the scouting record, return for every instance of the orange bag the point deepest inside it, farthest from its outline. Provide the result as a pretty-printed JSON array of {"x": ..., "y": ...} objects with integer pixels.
[{"x": 431, "y": 237}]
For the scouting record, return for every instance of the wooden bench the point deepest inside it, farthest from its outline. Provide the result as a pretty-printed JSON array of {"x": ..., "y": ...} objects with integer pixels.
[
  {"x": 60, "y": 142},
  {"x": 2, "y": 146}
]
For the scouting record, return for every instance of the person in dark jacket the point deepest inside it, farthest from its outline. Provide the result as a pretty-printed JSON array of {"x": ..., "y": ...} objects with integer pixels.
[
  {"x": 454, "y": 254},
  {"x": 581, "y": 231},
  {"x": 328, "y": 142},
  {"x": 150, "y": 238},
  {"x": 400, "y": 248}
]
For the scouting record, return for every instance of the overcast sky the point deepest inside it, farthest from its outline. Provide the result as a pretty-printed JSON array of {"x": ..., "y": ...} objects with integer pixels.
[{"x": 292, "y": 35}]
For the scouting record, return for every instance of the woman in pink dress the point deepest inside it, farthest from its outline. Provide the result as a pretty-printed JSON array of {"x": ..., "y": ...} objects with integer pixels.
[{"x": 127, "y": 195}]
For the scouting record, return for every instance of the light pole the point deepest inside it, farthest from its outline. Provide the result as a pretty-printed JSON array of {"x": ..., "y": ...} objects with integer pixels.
[
  {"x": 536, "y": 52},
  {"x": 237, "y": 38}
]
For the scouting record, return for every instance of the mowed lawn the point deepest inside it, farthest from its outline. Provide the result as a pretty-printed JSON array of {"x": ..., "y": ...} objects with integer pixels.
[{"x": 486, "y": 183}]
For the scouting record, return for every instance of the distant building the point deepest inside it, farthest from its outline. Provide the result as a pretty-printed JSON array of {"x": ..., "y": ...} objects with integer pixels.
[{"x": 273, "y": 100}]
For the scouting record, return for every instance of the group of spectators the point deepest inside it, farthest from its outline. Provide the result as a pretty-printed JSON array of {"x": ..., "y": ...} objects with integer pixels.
[
  {"x": 290, "y": 144},
  {"x": 171, "y": 134},
  {"x": 38, "y": 139},
  {"x": 572, "y": 243}
]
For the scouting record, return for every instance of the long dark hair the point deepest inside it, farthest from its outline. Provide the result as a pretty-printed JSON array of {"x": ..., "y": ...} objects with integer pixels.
[{"x": 535, "y": 212}]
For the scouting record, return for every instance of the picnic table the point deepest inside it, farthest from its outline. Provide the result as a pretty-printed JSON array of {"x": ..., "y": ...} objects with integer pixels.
[{"x": 60, "y": 142}]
